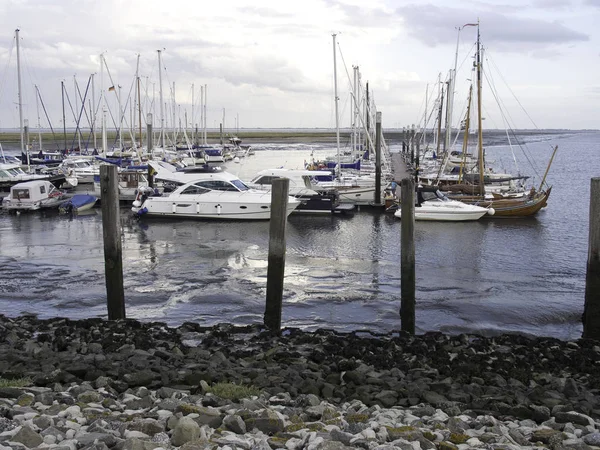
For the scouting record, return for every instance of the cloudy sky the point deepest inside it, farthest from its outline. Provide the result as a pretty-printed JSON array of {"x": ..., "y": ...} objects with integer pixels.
[{"x": 270, "y": 63}]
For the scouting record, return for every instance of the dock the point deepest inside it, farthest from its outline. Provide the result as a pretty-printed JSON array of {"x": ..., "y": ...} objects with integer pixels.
[{"x": 400, "y": 167}]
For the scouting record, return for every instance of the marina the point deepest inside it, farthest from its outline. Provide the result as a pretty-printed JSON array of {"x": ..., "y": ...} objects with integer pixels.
[{"x": 342, "y": 271}]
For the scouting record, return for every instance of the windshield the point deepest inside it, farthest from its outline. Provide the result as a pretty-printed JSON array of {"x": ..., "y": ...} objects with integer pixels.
[{"x": 240, "y": 185}]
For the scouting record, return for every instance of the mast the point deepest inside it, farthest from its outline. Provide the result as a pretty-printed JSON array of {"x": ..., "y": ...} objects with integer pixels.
[
  {"x": 337, "y": 118},
  {"x": 39, "y": 124},
  {"x": 479, "y": 131},
  {"x": 175, "y": 117},
  {"x": 205, "y": 101},
  {"x": 160, "y": 93},
  {"x": 103, "y": 100},
  {"x": 139, "y": 95},
  {"x": 62, "y": 87},
  {"x": 19, "y": 95},
  {"x": 93, "y": 111},
  {"x": 193, "y": 132},
  {"x": 466, "y": 134}
]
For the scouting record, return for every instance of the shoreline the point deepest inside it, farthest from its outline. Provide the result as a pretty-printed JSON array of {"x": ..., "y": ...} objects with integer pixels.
[{"x": 450, "y": 392}]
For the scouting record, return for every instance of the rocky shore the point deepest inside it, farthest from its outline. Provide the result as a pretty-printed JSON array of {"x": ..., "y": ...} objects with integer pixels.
[{"x": 130, "y": 385}]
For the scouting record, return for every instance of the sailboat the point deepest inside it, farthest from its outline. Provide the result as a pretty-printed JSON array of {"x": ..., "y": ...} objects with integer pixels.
[
  {"x": 12, "y": 172},
  {"x": 519, "y": 204}
]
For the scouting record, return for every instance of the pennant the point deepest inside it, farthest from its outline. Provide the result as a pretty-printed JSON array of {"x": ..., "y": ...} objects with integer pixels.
[
  {"x": 470, "y": 25},
  {"x": 112, "y": 88}
]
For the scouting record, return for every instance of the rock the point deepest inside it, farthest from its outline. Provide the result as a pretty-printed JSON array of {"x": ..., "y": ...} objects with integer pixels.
[
  {"x": 186, "y": 430},
  {"x": 27, "y": 437}
]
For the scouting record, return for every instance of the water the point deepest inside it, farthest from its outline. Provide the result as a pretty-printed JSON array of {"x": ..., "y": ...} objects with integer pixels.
[{"x": 343, "y": 273}]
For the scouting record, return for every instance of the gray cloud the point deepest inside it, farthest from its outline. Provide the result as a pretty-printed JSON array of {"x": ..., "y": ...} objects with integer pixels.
[{"x": 435, "y": 25}]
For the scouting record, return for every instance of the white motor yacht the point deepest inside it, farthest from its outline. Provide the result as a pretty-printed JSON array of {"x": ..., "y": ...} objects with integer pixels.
[
  {"x": 432, "y": 205},
  {"x": 206, "y": 194}
]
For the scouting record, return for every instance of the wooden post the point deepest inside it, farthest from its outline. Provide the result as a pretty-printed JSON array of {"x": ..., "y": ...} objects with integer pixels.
[
  {"x": 150, "y": 147},
  {"x": 591, "y": 310},
  {"x": 404, "y": 142},
  {"x": 277, "y": 248},
  {"x": 412, "y": 145},
  {"x": 417, "y": 163},
  {"x": 377, "y": 200},
  {"x": 149, "y": 138},
  {"x": 407, "y": 257},
  {"x": 111, "y": 232}
]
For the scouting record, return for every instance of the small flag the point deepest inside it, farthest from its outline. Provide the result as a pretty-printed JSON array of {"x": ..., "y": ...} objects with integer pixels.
[
  {"x": 470, "y": 25},
  {"x": 112, "y": 88}
]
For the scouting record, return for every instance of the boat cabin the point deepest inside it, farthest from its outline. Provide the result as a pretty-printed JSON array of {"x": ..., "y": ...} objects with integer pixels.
[{"x": 32, "y": 195}]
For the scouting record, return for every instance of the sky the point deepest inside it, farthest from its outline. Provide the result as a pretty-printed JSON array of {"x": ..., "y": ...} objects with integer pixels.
[{"x": 270, "y": 64}]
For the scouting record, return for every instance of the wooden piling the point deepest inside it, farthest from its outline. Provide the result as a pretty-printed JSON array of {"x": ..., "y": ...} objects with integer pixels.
[
  {"x": 412, "y": 145},
  {"x": 111, "y": 233},
  {"x": 276, "y": 259},
  {"x": 377, "y": 200},
  {"x": 149, "y": 138},
  {"x": 417, "y": 163},
  {"x": 591, "y": 310},
  {"x": 407, "y": 257}
]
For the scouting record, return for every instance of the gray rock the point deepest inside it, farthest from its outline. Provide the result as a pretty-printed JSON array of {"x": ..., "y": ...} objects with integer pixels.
[
  {"x": 592, "y": 439},
  {"x": 235, "y": 423},
  {"x": 186, "y": 430},
  {"x": 27, "y": 437}
]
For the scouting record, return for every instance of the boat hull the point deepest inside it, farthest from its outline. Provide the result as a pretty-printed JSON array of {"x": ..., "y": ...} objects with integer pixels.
[
  {"x": 444, "y": 216},
  {"x": 204, "y": 210},
  {"x": 514, "y": 207}
]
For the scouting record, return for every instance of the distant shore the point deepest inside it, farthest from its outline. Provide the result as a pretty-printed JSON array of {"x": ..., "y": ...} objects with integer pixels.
[{"x": 284, "y": 135}]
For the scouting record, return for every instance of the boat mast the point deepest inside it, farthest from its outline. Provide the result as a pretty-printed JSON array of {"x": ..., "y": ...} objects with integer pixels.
[
  {"x": 450, "y": 103},
  {"x": 205, "y": 101},
  {"x": 479, "y": 131},
  {"x": 466, "y": 135},
  {"x": 337, "y": 118},
  {"x": 103, "y": 101},
  {"x": 37, "y": 107},
  {"x": 62, "y": 88},
  {"x": 19, "y": 95},
  {"x": 139, "y": 95},
  {"x": 160, "y": 93},
  {"x": 93, "y": 111}
]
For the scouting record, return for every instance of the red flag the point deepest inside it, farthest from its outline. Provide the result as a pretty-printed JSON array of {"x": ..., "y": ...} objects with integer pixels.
[{"x": 470, "y": 25}]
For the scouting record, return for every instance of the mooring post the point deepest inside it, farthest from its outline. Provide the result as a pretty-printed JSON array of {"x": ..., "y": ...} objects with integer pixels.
[
  {"x": 591, "y": 310},
  {"x": 417, "y": 163},
  {"x": 377, "y": 199},
  {"x": 277, "y": 248},
  {"x": 111, "y": 233},
  {"x": 149, "y": 137},
  {"x": 404, "y": 143},
  {"x": 407, "y": 257},
  {"x": 412, "y": 145},
  {"x": 150, "y": 147}
]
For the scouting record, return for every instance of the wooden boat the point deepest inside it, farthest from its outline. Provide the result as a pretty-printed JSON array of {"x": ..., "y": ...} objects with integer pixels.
[
  {"x": 523, "y": 204},
  {"x": 516, "y": 206}
]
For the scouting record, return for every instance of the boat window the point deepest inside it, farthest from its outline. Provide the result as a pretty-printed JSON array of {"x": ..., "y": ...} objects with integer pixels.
[
  {"x": 217, "y": 185},
  {"x": 20, "y": 193},
  {"x": 42, "y": 189},
  {"x": 240, "y": 185},
  {"x": 428, "y": 196},
  {"x": 266, "y": 179},
  {"x": 194, "y": 190}
]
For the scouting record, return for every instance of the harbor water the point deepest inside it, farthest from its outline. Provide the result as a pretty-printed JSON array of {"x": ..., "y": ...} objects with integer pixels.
[{"x": 342, "y": 272}]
